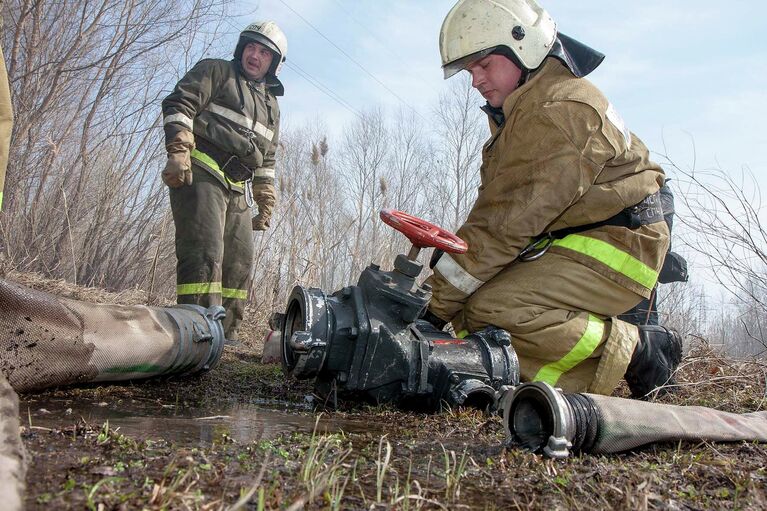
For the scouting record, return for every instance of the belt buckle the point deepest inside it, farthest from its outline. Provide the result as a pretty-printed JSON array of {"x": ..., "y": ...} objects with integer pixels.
[
  {"x": 226, "y": 164},
  {"x": 249, "y": 200},
  {"x": 536, "y": 249}
]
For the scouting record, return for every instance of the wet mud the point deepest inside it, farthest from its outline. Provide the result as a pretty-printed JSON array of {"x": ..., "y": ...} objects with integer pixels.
[
  {"x": 244, "y": 429},
  {"x": 188, "y": 426}
]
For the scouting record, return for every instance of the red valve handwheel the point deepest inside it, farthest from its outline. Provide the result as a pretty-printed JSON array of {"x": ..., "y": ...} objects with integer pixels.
[{"x": 422, "y": 233}]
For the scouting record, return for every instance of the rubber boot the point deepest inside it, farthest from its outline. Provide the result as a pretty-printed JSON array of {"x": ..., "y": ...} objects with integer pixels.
[{"x": 654, "y": 361}]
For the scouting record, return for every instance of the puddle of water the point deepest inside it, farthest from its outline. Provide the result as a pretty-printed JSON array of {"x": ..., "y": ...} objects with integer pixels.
[{"x": 186, "y": 426}]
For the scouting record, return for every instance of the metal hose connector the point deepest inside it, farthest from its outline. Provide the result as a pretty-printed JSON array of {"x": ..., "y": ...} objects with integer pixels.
[{"x": 540, "y": 418}]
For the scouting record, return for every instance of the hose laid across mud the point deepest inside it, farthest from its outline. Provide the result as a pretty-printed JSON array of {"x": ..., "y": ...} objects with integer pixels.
[
  {"x": 540, "y": 418},
  {"x": 46, "y": 340}
]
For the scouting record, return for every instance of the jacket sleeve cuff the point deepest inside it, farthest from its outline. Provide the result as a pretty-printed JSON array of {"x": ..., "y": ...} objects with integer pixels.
[
  {"x": 452, "y": 285},
  {"x": 263, "y": 176},
  {"x": 457, "y": 276}
]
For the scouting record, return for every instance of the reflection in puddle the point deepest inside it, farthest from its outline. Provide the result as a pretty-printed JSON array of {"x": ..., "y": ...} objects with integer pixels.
[{"x": 187, "y": 426}]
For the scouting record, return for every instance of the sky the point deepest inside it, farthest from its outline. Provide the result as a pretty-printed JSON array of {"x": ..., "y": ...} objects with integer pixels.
[{"x": 687, "y": 77}]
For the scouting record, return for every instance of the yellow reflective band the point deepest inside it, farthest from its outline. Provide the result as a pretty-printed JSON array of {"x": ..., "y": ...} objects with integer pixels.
[
  {"x": 1, "y": 199},
  {"x": 239, "y": 294},
  {"x": 550, "y": 373},
  {"x": 200, "y": 288},
  {"x": 462, "y": 334},
  {"x": 213, "y": 165},
  {"x": 204, "y": 158},
  {"x": 616, "y": 259}
]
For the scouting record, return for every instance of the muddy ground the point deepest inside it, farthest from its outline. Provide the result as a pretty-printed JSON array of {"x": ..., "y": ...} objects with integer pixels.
[{"x": 359, "y": 457}]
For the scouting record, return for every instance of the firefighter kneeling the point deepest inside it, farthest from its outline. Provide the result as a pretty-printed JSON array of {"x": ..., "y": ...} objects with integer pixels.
[{"x": 567, "y": 231}]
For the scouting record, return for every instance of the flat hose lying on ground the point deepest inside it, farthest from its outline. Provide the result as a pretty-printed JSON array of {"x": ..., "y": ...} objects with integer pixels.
[
  {"x": 46, "y": 340},
  {"x": 540, "y": 418}
]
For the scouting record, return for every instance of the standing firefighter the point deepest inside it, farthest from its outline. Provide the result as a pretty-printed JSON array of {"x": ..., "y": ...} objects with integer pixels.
[
  {"x": 221, "y": 128},
  {"x": 567, "y": 231}
]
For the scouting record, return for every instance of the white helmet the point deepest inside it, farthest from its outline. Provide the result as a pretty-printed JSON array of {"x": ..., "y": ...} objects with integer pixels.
[
  {"x": 268, "y": 34},
  {"x": 475, "y": 28}
]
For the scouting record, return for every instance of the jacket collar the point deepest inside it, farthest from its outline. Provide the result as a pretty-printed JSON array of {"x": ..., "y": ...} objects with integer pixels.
[
  {"x": 511, "y": 101},
  {"x": 270, "y": 82}
]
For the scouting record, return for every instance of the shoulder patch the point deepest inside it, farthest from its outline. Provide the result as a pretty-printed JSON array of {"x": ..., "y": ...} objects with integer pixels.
[{"x": 614, "y": 117}]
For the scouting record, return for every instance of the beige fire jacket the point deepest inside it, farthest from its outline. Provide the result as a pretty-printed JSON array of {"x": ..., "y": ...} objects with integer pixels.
[
  {"x": 561, "y": 158},
  {"x": 6, "y": 123}
]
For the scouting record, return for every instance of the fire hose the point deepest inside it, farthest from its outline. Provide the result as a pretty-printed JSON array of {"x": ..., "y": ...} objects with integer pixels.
[
  {"x": 542, "y": 419},
  {"x": 46, "y": 341}
]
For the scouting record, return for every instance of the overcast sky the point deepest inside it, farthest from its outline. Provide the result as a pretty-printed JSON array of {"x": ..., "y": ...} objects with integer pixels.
[{"x": 677, "y": 72}]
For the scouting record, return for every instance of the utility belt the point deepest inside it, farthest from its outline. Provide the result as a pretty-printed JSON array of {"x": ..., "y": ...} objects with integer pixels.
[
  {"x": 228, "y": 163},
  {"x": 648, "y": 211}
]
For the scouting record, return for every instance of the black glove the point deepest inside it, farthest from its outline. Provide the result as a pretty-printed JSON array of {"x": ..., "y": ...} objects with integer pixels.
[
  {"x": 435, "y": 258},
  {"x": 433, "y": 320}
]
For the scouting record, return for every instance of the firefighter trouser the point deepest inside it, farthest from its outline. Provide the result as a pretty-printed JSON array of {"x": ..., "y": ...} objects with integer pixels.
[
  {"x": 214, "y": 247},
  {"x": 561, "y": 317}
]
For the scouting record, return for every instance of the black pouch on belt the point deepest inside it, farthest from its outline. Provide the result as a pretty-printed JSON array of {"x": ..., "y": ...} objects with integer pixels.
[
  {"x": 228, "y": 163},
  {"x": 648, "y": 211},
  {"x": 236, "y": 170}
]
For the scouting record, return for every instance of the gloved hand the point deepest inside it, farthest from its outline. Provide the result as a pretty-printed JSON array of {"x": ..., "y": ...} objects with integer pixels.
[
  {"x": 178, "y": 169},
  {"x": 433, "y": 319},
  {"x": 264, "y": 197}
]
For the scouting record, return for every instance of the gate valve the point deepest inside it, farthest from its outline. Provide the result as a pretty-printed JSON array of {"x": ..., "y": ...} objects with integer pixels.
[
  {"x": 423, "y": 234},
  {"x": 365, "y": 340}
]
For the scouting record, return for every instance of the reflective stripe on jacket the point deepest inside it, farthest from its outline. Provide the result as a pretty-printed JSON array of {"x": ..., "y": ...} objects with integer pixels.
[
  {"x": 562, "y": 158},
  {"x": 218, "y": 104}
]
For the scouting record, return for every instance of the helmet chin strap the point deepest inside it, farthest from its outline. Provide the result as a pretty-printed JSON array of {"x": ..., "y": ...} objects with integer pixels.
[
  {"x": 524, "y": 77},
  {"x": 506, "y": 52},
  {"x": 579, "y": 58}
]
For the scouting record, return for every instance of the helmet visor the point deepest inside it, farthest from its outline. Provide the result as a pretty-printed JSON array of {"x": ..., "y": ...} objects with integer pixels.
[
  {"x": 458, "y": 65},
  {"x": 262, "y": 39}
]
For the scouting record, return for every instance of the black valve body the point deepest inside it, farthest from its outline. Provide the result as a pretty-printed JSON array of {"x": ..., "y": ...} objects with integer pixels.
[{"x": 366, "y": 342}]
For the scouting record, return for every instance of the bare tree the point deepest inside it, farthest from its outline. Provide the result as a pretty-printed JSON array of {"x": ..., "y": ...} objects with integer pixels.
[
  {"x": 363, "y": 156},
  {"x": 721, "y": 215},
  {"x": 461, "y": 130},
  {"x": 724, "y": 226},
  {"x": 83, "y": 198}
]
